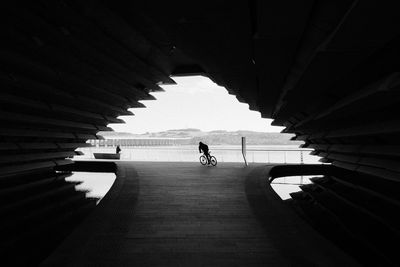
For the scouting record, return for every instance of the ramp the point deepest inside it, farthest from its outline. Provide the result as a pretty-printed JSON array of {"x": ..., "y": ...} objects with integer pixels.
[{"x": 185, "y": 214}]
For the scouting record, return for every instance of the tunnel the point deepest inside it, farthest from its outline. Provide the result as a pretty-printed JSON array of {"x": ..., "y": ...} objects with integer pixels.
[{"x": 328, "y": 71}]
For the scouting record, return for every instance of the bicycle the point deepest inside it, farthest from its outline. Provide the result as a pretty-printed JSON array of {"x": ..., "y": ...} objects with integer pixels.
[{"x": 204, "y": 160}]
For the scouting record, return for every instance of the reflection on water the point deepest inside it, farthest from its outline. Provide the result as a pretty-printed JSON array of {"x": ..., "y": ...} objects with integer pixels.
[
  {"x": 283, "y": 186},
  {"x": 97, "y": 184}
]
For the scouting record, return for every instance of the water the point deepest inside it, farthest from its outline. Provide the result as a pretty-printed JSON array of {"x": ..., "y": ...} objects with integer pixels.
[
  {"x": 283, "y": 186},
  {"x": 256, "y": 154},
  {"x": 97, "y": 184}
]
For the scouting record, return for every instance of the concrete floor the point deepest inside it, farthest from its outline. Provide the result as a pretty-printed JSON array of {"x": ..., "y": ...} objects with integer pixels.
[{"x": 185, "y": 214}]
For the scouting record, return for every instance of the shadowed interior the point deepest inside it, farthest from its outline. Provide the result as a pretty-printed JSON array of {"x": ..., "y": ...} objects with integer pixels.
[{"x": 326, "y": 70}]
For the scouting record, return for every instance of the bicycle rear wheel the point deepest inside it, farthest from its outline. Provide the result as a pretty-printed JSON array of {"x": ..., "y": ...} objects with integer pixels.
[
  {"x": 203, "y": 160},
  {"x": 213, "y": 161}
]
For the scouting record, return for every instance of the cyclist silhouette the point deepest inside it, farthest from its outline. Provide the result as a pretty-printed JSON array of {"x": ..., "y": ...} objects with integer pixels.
[{"x": 204, "y": 148}]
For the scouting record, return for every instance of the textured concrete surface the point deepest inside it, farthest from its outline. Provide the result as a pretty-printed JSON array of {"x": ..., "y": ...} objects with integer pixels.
[{"x": 185, "y": 214}]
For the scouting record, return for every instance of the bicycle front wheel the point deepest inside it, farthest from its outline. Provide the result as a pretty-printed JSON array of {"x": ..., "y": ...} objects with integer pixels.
[
  {"x": 203, "y": 160},
  {"x": 213, "y": 160}
]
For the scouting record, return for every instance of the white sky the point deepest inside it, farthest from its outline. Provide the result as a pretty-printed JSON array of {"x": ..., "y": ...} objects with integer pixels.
[{"x": 195, "y": 102}]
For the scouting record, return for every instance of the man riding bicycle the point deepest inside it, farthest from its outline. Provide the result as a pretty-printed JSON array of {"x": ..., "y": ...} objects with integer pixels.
[{"x": 204, "y": 148}]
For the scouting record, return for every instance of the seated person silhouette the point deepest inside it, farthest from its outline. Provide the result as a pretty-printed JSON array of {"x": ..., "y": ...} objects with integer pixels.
[{"x": 204, "y": 148}]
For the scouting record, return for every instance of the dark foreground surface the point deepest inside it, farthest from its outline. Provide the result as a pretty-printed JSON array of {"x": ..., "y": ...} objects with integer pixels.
[{"x": 184, "y": 214}]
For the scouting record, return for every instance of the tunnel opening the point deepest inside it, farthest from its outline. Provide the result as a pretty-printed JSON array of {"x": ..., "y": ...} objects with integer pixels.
[{"x": 194, "y": 110}]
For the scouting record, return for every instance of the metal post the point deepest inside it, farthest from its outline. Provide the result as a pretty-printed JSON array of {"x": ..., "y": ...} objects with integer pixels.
[
  {"x": 244, "y": 150},
  {"x": 301, "y": 157}
]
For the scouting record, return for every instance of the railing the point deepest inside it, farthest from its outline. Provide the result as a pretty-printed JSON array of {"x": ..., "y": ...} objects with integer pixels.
[
  {"x": 285, "y": 153},
  {"x": 295, "y": 155},
  {"x": 287, "y": 158}
]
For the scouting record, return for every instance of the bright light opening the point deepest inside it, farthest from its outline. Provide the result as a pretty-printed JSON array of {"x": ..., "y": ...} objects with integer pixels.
[
  {"x": 196, "y": 109},
  {"x": 195, "y": 102}
]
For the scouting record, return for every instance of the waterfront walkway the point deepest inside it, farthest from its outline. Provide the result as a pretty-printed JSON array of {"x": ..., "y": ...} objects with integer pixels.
[{"x": 185, "y": 214}]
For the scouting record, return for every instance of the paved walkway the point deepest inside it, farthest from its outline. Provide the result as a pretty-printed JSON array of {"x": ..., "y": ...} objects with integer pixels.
[{"x": 184, "y": 214}]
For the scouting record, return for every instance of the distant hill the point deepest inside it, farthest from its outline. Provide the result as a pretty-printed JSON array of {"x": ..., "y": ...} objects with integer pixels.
[
  {"x": 185, "y": 130},
  {"x": 252, "y": 138},
  {"x": 116, "y": 135},
  {"x": 216, "y": 137}
]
